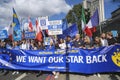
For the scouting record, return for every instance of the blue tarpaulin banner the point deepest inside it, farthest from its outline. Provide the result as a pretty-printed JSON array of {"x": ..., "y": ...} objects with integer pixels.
[
  {"x": 3, "y": 34},
  {"x": 103, "y": 59},
  {"x": 30, "y": 35}
]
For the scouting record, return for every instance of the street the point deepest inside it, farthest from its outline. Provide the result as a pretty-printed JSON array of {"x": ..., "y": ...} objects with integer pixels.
[{"x": 62, "y": 76}]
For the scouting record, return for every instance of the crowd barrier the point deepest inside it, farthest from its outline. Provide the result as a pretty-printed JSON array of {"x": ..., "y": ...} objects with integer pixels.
[{"x": 89, "y": 61}]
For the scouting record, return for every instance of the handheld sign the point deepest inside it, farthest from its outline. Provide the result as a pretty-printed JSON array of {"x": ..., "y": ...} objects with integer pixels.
[
  {"x": 43, "y": 22},
  {"x": 30, "y": 35},
  {"x": 55, "y": 27},
  {"x": 3, "y": 34},
  {"x": 114, "y": 33}
]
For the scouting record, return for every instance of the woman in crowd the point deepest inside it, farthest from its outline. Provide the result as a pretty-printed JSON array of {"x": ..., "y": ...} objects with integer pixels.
[
  {"x": 57, "y": 46},
  {"x": 87, "y": 44},
  {"x": 15, "y": 46},
  {"x": 33, "y": 45},
  {"x": 62, "y": 44},
  {"x": 111, "y": 40},
  {"x": 97, "y": 42},
  {"x": 2, "y": 44},
  {"x": 51, "y": 46},
  {"x": 103, "y": 40},
  {"x": 69, "y": 42},
  {"x": 23, "y": 45},
  {"x": 8, "y": 44},
  {"x": 40, "y": 46}
]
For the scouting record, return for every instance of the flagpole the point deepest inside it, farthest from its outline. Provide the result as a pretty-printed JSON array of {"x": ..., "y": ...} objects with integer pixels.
[
  {"x": 101, "y": 24},
  {"x": 21, "y": 24},
  {"x": 101, "y": 28}
]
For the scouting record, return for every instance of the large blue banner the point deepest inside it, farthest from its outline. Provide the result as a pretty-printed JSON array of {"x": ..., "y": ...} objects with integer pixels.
[
  {"x": 104, "y": 59},
  {"x": 3, "y": 34}
]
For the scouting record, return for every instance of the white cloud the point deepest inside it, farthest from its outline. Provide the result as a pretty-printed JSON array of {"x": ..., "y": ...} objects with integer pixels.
[{"x": 33, "y": 8}]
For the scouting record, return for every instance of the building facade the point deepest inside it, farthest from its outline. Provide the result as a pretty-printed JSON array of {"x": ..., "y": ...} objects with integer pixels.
[
  {"x": 92, "y": 5},
  {"x": 113, "y": 23}
]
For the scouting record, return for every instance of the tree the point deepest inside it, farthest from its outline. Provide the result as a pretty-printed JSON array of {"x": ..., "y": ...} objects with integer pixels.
[{"x": 74, "y": 15}]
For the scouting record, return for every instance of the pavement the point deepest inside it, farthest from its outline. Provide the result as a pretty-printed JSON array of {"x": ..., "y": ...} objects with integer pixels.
[{"x": 32, "y": 75}]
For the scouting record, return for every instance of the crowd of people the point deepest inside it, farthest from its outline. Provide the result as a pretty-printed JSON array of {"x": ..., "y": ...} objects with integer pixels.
[
  {"x": 86, "y": 42},
  {"x": 105, "y": 39}
]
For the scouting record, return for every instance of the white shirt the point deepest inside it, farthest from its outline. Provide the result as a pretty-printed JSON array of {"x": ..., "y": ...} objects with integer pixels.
[
  {"x": 104, "y": 42},
  {"x": 23, "y": 46},
  {"x": 62, "y": 46}
]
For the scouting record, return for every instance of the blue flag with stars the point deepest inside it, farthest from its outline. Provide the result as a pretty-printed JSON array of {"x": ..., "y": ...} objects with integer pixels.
[
  {"x": 16, "y": 27},
  {"x": 71, "y": 31},
  {"x": 64, "y": 24}
]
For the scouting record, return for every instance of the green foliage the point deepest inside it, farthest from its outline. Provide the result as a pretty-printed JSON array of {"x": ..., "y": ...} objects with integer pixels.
[{"x": 77, "y": 10}]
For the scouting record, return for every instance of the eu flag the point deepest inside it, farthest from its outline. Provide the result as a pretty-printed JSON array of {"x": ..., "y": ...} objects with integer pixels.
[
  {"x": 64, "y": 24},
  {"x": 16, "y": 22},
  {"x": 16, "y": 27},
  {"x": 70, "y": 31}
]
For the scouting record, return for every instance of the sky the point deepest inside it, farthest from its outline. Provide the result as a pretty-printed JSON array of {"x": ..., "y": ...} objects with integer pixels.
[{"x": 56, "y": 9}]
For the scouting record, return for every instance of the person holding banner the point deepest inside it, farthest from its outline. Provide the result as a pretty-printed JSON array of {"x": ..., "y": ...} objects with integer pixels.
[
  {"x": 15, "y": 47},
  {"x": 68, "y": 42},
  {"x": 87, "y": 43},
  {"x": 111, "y": 40},
  {"x": 2, "y": 45},
  {"x": 51, "y": 46},
  {"x": 40, "y": 46},
  {"x": 77, "y": 42},
  {"x": 23, "y": 45},
  {"x": 62, "y": 44},
  {"x": 8, "y": 45},
  {"x": 103, "y": 40},
  {"x": 118, "y": 38},
  {"x": 33, "y": 45},
  {"x": 97, "y": 42}
]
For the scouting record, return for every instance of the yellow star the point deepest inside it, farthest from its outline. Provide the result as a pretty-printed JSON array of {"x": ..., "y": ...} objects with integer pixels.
[
  {"x": 13, "y": 24},
  {"x": 15, "y": 15}
]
